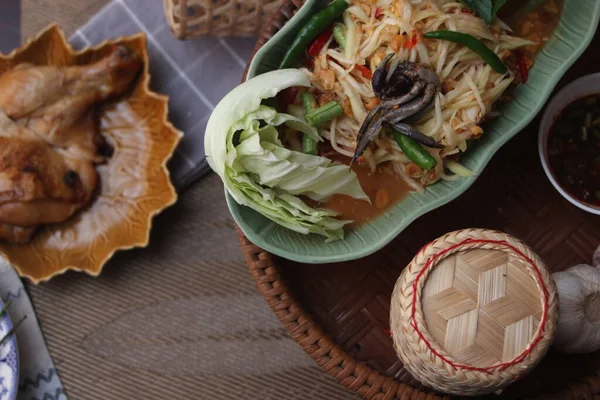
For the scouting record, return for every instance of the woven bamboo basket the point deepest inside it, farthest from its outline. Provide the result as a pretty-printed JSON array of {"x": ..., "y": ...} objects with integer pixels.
[
  {"x": 188, "y": 18},
  {"x": 339, "y": 314},
  {"x": 474, "y": 311}
]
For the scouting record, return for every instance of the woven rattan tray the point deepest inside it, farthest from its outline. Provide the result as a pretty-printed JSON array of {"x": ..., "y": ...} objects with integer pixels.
[{"x": 339, "y": 313}]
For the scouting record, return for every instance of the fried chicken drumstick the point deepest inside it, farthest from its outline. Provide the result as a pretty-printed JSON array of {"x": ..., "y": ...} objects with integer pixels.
[{"x": 49, "y": 139}]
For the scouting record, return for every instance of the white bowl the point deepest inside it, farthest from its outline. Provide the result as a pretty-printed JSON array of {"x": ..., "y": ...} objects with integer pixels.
[{"x": 587, "y": 85}]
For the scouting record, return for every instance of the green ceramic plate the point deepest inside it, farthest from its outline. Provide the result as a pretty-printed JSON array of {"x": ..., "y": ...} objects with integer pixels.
[{"x": 575, "y": 31}]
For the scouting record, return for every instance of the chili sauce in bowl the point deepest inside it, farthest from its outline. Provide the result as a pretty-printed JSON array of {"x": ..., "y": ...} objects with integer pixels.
[
  {"x": 574, "y": 149},
  {"x": 569, "y": 142}
]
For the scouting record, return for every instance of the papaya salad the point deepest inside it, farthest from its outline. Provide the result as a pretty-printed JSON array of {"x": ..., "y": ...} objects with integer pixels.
[{"x": 373, "y": 98}]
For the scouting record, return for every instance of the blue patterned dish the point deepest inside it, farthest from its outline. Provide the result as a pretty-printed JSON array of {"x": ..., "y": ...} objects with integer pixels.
[{"x": 9, "y": 361}]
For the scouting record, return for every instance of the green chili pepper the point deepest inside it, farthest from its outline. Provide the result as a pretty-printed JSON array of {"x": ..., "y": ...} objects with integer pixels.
[
  {"x": 315, "y": 25},
  {"x": 325, "y": 113},
  {"x": 474, "y": 44},
  {"x": 415, "y": 151},
  {"x": 339, "y": 33},
  {"x": 309, "y": 146}
]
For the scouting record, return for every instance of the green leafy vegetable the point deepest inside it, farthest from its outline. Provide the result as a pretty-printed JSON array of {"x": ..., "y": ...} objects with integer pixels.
[
  {"x": 486, "y": 9},
  {"x": 261, "y": 173}
]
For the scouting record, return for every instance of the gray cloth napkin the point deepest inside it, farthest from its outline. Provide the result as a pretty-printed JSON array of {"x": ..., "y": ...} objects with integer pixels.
[{"x": 195, "y": 73}]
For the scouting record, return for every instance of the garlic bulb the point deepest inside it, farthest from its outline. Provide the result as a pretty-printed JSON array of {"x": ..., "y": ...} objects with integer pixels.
[{"x": 579, "y": 304}]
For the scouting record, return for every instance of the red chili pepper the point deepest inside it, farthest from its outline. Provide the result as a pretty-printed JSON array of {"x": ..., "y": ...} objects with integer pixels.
[
  {"x": 317, "y": 45},
  {"x": 288, "y": 96},
  {"x": 466, "y": 11},
  {"x": 413, "y": 41},
  {"x": 378, "y": 12},
  {"x": 522, "y": 66},
  {"x": 366, "y": 72}
]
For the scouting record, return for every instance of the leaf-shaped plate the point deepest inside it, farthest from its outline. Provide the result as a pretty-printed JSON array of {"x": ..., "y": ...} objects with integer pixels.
[
  {"x": 575, "y": 31},
  {"x": 134, "y": 183}
]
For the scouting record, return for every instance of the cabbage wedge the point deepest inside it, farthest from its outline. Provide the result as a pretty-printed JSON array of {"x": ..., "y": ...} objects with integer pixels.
[{"x": 243, "y": 147}]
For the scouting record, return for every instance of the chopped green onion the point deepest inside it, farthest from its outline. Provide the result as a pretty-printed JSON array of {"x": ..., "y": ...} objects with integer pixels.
[
  {"x": 339, "y": 34},
  {"x": 325, "y": 113},
  {"x": 584, "y": 133}
]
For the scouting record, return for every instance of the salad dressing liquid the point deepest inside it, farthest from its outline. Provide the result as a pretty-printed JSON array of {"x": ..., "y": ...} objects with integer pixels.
[{"x": 383, "y": 187}]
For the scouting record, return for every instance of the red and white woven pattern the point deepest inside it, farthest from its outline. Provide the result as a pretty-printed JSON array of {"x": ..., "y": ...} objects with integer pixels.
[{"x": 523, "y": 325}]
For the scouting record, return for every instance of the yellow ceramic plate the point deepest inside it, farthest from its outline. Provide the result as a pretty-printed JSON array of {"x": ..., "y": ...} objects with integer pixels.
[{"x": 134, "y": 183}]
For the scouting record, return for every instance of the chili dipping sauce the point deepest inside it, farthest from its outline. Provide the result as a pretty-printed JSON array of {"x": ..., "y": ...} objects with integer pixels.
[{"x": 574, "y": 149}]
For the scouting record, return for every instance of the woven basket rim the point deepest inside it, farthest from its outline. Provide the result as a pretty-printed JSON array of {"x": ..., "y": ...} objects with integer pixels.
[
  {"x": 355, "y": 375},
  {"x": 414, "y": 343}
]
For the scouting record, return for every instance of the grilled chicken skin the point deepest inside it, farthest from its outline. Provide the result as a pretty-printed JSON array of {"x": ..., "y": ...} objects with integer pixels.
[
  {"x": 49, "y": 139},
  {"x": 49, "y": 100}
]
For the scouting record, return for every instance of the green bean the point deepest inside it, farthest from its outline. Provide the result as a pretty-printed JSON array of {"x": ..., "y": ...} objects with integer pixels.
[
  {"x": 325, "y": 113},
  {"x": 309, "y": 145},
  {"x": 308, "y": 101},
  {"x": 474, "y": 44},
  {"x": 339, "y": 33},
  {"x": 315, "y": 25},
  {"x": 413, "y": 150}
]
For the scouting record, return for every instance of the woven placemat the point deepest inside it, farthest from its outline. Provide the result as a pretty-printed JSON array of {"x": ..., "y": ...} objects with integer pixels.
[{"x": 339, "y": 313}]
